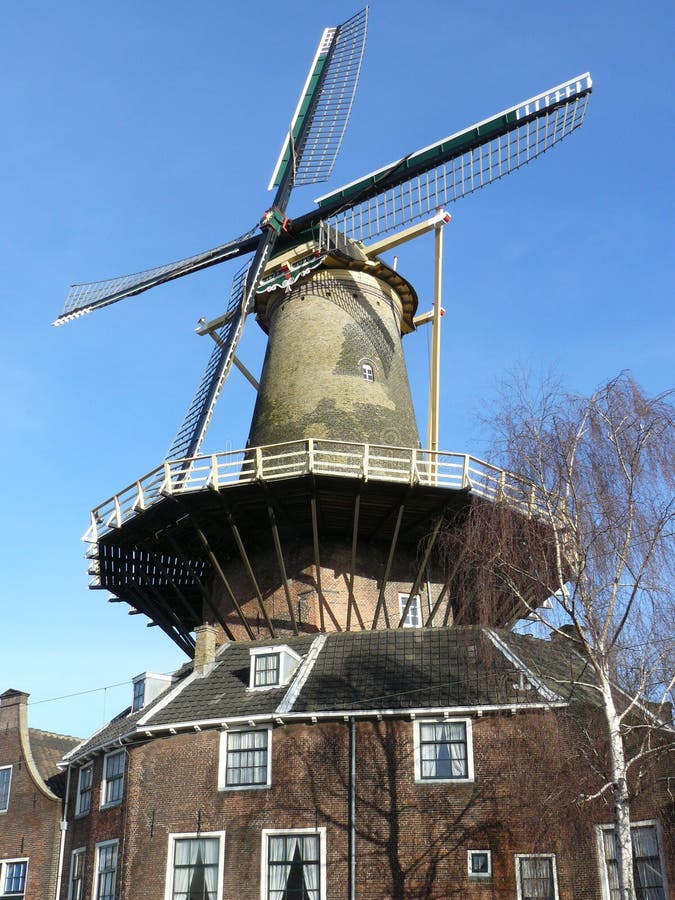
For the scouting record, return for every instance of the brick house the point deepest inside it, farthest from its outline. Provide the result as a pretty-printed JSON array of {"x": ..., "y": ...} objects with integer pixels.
[
  {"x": 404, "y": 763},
  {"x": 31, "y": 803}
]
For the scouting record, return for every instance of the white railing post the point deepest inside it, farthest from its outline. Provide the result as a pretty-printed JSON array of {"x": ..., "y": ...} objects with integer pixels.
[
  {"x": 118, "y": 512},
  {"x": 139, "y": 503},
  {"x": 258, "y": 464},
  {"x": 167, "y": 487},
  {"x": 465, "y": 471},
  {"x": 310, "y": 455},
  {"x": 365, "y": 461},
  {"x": 413, "y": 466}
]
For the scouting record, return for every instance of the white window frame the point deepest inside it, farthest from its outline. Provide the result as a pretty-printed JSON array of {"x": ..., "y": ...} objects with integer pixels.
[
  {"x": 554, "y": 869},
  {"x": 97, "y": 856},
  {"x": 178, "y": 836},
  {"x": 80, "y": 852},
  {"x": 417, "y": 603},
  {"x": 138, "y": 694},
  {"x": 418, "y": 750},
  {"x": 289, "y": 661},
  {"x": 3, "y": 875},
  {"x": 104, "y": 779},
  {"x": 368, "y": 372},
  {"x": 602, "y": 868},
  {"x": 479, "y": 875},
  {"x": 272, "y": 832},
  {"x": 79, "y": 812},
  {"x": 3, "y": 809},
  {"x": 222, "y": 760}
]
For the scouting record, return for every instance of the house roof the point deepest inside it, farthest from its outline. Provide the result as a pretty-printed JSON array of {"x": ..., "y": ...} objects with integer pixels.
[
  {"x": 47, "y": 749},
  {"x": 393, "y": 671}
]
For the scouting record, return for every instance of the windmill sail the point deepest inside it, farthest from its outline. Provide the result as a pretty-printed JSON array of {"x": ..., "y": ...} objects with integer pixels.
[
  {"x": 191, "y": 433},
  {"x": 337, "y": 64},
  {"x": 415, "y": 186},
  {"x": 84, "y": 298}
]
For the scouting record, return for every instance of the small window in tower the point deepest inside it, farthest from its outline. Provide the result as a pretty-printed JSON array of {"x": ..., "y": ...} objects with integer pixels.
[{"x": 368, "y": 372}]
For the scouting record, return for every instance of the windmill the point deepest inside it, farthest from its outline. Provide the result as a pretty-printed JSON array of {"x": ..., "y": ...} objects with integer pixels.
[
  {"x": 330, "y": 254},
  {"x": 380, "y": 202}
]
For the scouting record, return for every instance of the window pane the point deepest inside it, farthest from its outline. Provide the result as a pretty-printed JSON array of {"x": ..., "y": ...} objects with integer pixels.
[
  {"x": 443, "y": 750},
  {"x": 293, "y": 867},
  {"x": 15, "y": 877},
  {"x": 107, "y": 871},
  {"x": 5, "y": 778},
  {"x": 536, "y": 878},
  {"x": 266, "y": 669},
  {"x": 114, "y": 777},
  {"x": 195, "y": 868},
  {"x": 246, "y": 758}
]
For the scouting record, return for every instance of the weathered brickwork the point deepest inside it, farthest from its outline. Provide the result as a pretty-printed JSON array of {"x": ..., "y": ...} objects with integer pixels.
[
  {"x": 29, "y": 829},
  {"x": 411, "y": 839}
]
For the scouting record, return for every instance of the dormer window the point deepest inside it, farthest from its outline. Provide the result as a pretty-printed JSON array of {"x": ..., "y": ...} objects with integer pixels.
[
  {"x": 147, "y": 686},
  {"x": 272, "y": 666},
  {"x": 367, "y": 371}
]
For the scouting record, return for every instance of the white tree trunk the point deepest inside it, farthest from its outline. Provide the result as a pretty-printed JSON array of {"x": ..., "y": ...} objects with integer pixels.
[{"x": 624, "y": 846}]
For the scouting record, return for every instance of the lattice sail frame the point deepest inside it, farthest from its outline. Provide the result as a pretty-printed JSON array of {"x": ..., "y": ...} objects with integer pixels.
[
  {"x": 340, "y": 52},
  {"x": 459, "y": 164},
  {"x": 200, "y": 411}
]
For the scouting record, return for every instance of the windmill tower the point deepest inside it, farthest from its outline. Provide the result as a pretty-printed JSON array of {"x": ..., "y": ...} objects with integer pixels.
[{"x": 328, "y": 518}]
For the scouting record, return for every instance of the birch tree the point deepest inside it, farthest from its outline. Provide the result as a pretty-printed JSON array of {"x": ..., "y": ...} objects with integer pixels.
[{"x": 601, "y": 545}]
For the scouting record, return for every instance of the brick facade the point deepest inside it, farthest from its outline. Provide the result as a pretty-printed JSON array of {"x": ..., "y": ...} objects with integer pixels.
[
  {"x": 30, "y": 826},
  {"x": 411, "y": 839}
]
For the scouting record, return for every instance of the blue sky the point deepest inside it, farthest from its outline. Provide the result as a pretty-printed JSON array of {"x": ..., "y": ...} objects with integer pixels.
[{"x": 135, "y": 134}]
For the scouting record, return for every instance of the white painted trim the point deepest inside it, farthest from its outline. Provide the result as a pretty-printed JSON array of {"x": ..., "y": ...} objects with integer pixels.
[
  {"x": 479, "y": 875},
  {"x": 600, "y": 845},
  {"x": 222, "y": 760},
  {"x": 513, "y": 658},
  {"x": 12, "y": 859},
  {"x": 342, "y": 714},
  {"x": 271, "y": 832},
  {"x": 79, "y": 851},
  {"x": 402, "y": 600},
  {"x": 550, "y": 856},
  {"x": 94, "y": 885},
  {"x": 177, "y": 835},
  {"x": 9, "y": 787},
  {"x": 302, "y": 674},
  {"x": 168, "y": 697},
  {"x": 469, "y": 750},
  {"x": 288, "y": 664}
]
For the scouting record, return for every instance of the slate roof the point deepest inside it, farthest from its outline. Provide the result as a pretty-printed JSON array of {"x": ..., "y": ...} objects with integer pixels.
[{"x": 397, "y": 670}]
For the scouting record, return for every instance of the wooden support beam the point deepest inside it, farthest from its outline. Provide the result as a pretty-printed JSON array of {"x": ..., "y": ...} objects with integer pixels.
[
  {"x": 180, "y": 637},
  {"x": 420, "y": 573},
  {"x": 221, "y": 575},
  {"x": 202, "y": 587},
  {"x": 282, "y": 566},
  {"x": 352, "y": 568},
  {"x": 317, "y": 563},
  {"x": 387, "y": 570},
  {"x": 249, "y": 571}
]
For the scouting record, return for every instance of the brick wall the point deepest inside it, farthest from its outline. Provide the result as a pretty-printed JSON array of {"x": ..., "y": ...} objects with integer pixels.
[
  {"x": 412, "y": 839},
  {"x": 30, "y": 827}
]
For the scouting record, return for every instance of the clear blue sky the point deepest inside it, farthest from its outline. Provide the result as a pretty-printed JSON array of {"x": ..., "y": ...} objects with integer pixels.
[{"x": 137, "y": 133}]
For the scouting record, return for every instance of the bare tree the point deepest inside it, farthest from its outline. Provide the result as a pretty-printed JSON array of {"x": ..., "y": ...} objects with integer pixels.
[{"x": 600, "y": 544}]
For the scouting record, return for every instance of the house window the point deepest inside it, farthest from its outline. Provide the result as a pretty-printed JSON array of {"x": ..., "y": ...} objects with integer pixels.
[
  {"x": 536, "y": 877},
  {"x": 84, "y": 781},
  {"x": 139, "y": 695},
  {"x": 648, "y": 868},
  {"x": 113, "y": 778},
  {"x": 76, "y": 889},
  {"x": 443, "y": 750},
  {"x": 294, "y": 864},
  {"x": 367, "y": 371},
  {"x": 5, "y": 782},
  {"x": 245, "y": 759},
  {"x": 13, "y": 878},
  {"x": 195, "y": 866},
  {"x": 266, "y": 673},
  {"x": 106, "y": 870},
  {"x": 479, "y": 863},
  {"x": 413, "y": 618}
]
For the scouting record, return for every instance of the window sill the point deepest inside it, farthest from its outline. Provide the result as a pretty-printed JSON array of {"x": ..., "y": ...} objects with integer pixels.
[
  {"x": 111, "y": 805},
  {"x": 245, "y": 787}
]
